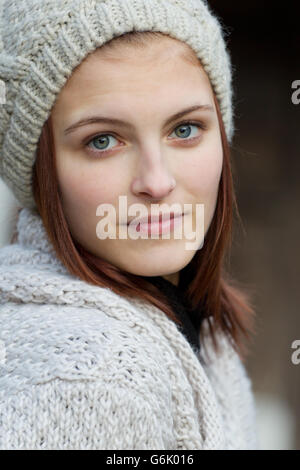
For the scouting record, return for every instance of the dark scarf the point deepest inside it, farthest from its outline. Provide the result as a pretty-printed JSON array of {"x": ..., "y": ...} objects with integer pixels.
[{"x": 191, "y": 319}]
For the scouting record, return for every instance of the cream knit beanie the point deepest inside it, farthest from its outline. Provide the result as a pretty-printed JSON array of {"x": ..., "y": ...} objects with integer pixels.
[{"x": 42, "y": 41}]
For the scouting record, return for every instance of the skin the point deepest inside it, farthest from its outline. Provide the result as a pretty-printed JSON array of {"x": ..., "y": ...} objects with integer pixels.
[{"x": 149, "y": 163}]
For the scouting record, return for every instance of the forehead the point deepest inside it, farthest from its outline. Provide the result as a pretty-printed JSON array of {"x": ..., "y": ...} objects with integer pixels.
[
  {"x": 159, "y": 49},
  {"x": 127, "y": 71}
]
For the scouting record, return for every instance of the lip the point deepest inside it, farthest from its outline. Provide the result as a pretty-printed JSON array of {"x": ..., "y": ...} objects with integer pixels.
[
  {"x": 161, "y": 226},
  {"x": 155, "y": 219}
]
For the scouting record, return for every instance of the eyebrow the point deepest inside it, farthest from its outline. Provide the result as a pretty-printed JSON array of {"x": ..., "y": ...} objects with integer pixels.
[{"x": 108, "y": 120}]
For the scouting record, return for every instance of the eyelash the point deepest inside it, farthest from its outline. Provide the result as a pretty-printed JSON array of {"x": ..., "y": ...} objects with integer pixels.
[{"x": 198, "y": 124}]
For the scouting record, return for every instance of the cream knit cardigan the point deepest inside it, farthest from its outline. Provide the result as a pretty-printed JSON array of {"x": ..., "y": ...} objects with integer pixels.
[{"x": 84, "y": 368}]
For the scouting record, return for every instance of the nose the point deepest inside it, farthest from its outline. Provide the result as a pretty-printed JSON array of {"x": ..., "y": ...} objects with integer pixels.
[{"x": 154, "y": 179}]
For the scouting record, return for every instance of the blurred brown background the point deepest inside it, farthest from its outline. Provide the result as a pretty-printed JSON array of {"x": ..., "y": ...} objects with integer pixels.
[{"x": 264, "y": 42}]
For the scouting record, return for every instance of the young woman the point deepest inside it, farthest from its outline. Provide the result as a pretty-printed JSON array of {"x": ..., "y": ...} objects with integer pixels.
[{"x": 132, "y": 340}]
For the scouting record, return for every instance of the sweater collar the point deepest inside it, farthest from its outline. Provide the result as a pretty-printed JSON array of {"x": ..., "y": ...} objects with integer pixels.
[{"x": 32, "y": 235}]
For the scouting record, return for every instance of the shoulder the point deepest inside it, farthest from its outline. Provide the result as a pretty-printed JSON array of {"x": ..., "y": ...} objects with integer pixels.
[
  {"x": 40, "y": 342},
  {"x": 73, "y": 377}
]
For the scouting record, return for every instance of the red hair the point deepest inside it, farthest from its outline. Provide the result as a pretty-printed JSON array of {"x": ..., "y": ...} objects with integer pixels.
[{"x": 208, "y": 283}]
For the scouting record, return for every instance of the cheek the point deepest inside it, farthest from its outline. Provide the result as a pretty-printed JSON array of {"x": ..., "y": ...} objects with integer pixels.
[
  {"x": 203, "y": 173},
  {"x": 85, "y": 186}
]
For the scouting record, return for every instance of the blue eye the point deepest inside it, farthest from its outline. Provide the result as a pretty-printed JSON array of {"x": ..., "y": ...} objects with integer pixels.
[
  {"x": 185, "y": 131},
  {"x": 102, "y": 140}
]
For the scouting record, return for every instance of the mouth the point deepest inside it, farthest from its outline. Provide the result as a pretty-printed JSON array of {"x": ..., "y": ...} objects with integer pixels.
[
  {"x": 154, "y": 219},
  {"x": 157, "y": 224}
]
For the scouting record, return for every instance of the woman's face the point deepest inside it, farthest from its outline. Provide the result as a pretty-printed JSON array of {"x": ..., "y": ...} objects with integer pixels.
[{"x": 148, "y": 160}]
